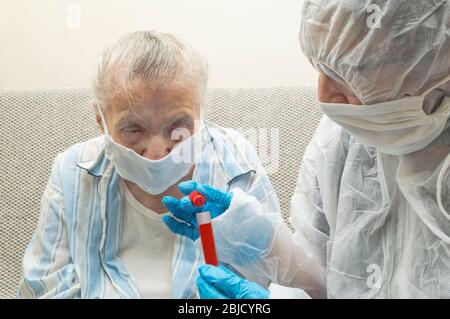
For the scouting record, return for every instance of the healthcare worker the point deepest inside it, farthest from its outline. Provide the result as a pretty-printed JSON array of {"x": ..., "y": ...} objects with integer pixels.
[{"x": 371, "y": 206}]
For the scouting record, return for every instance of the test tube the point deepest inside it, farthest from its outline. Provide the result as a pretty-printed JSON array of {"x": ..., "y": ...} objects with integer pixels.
[{"x": 205, "y": 229}]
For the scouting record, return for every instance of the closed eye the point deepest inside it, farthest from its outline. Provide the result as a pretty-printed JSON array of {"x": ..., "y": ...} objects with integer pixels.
[{"x": 132, "y": 129}]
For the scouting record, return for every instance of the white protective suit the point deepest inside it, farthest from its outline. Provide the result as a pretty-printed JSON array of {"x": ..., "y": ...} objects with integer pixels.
[{"x": 368, "y": 224}]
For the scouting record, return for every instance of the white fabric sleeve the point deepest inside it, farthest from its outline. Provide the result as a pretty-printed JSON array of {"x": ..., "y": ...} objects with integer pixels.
[{"x": 261, "y": 247}]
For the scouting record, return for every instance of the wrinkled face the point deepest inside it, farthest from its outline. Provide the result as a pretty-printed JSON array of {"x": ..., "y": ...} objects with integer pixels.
[
  {"x": 156, "y": 119},
  {"x": 333, "y": 91}
]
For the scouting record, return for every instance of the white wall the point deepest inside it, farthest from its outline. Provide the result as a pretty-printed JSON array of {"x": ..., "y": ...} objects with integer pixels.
[{"x": 43, "y": 43}]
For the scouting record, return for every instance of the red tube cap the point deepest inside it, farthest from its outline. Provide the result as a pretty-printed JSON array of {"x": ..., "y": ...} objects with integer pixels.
[{"x": 197, "y": 199}]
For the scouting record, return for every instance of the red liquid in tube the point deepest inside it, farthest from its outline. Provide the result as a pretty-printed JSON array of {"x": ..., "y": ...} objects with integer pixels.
[
  {"x": 207, "y": 238},
  {"x": 205, "y": 229}
]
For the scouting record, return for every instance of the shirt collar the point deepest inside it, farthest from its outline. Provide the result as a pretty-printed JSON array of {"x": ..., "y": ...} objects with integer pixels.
[{"x": 95, "y": 165}]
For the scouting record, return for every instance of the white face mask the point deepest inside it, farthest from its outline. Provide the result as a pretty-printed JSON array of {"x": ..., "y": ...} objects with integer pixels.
[
  {"x": 396, "y": 127},
  {"x": 154, "y": 176}
]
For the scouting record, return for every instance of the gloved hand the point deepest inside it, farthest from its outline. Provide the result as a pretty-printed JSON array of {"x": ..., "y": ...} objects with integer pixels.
[
  {"x": 221, "y": 283},
  {"x": 184, "y": 211}
]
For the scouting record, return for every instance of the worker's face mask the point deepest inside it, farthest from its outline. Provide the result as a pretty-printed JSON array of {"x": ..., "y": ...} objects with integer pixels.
[
  {"x": 154, "y": 176},
  {"x": 395, "y": 127}
]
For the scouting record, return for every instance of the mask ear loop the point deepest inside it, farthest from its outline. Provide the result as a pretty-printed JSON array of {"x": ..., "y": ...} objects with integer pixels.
[
  {"x": 105, "y": 127},
  {"x": 445, "y": 166},
  {"x": 424, "y": 95},
  {"x": 442, "y": 174}
]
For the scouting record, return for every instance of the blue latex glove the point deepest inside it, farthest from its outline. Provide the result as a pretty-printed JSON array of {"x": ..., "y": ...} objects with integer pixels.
[
  {"x": 184, "y": 211},
  {"x": 221, "y": 283}
]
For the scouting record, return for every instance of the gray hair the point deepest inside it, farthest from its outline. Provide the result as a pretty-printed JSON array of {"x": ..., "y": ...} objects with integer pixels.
[{"x": 149, "y": 58}]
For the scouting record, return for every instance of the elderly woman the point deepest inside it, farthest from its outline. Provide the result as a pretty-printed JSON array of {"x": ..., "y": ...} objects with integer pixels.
[
  {"x": 371, "y": 207},
  {"x": 100, "y": 232}
]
